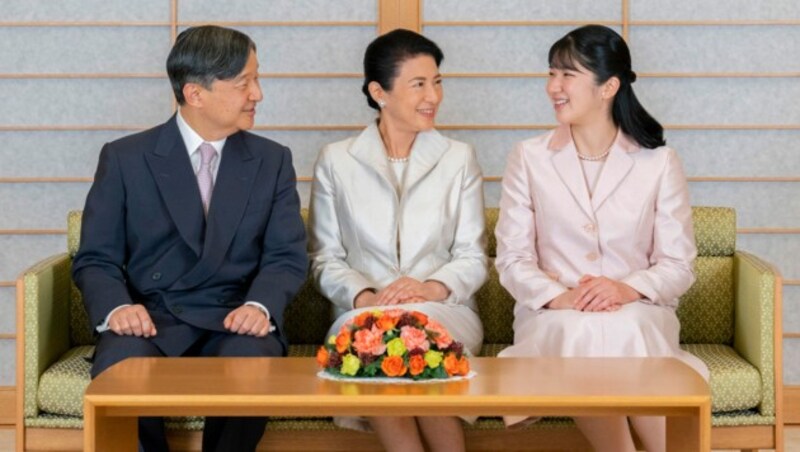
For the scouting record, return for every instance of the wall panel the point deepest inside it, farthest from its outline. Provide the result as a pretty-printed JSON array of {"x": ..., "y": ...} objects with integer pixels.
[
  {"x": 724, "y": 49},
  {"x": 67, "y": 11},
  {"x": 87, "y": 102},
  {"x": 791, "y": 361},
  {"x": 7, "y": 355},
  {"x": 18, "y": 252},
  {"x": 8, "y": 309},
  {"x": 90, "y": 49},
  {"x": 277, "y": 10},
  {"x": 521, "y": 10},
  {"x": 51, "y": 154},
  {"x": 714, "y": 10},
  {"x": 731, "y": 101},
  {"x": 40, "y": 205}
]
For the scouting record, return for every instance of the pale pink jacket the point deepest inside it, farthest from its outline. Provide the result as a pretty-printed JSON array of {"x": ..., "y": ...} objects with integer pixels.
[{"x": 636, "y": 228}]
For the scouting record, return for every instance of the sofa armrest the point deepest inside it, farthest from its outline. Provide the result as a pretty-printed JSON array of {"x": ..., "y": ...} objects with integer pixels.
[
  {"x": 43, "y": 292},
  {"x": 757, "y": 328}
]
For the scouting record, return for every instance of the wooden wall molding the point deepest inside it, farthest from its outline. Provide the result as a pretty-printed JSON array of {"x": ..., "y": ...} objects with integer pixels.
[
  {"x": 791, "y": 397},
  {"x": 394, "y": 14},
  {"x": 8, "y": 401}
]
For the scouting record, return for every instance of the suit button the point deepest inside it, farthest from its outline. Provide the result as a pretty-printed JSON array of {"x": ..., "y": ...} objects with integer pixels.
[
  {"x": 591, "y": 257},
  {"x": 590, "y": 228},
  {"x": 177, "y": 309},
  {"x": 156, "y": 276}
]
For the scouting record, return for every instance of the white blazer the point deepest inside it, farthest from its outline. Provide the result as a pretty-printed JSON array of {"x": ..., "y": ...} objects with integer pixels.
[
  {"x": 636, "y": 228},
  {"x": 363, "y": 235}
]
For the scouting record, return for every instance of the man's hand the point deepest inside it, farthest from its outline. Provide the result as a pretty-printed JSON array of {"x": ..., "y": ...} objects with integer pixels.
[
  {"x": 132, "y": 320},
  {"x": 247, "y": 319}
]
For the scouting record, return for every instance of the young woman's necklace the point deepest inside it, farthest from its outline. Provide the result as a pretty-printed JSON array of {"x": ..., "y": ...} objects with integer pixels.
[{"x": 594, "y": 158}]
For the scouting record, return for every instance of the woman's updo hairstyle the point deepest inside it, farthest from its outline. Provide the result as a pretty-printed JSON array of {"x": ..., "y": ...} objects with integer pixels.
[
  {"x": 602, "y": 51},
  {"x": 387, "y": 52}
]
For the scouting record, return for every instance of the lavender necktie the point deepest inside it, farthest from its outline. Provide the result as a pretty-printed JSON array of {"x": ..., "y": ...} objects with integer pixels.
[{"x": 205, "y": 179}]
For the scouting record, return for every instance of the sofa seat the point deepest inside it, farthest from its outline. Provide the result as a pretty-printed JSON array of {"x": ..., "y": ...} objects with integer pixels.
[
  {"x": 62, "y": 385},
  {"x": 735, "y": 384}
]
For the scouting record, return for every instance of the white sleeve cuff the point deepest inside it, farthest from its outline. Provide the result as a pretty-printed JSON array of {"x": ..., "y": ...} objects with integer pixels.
[{"x": 103, "y": 327}]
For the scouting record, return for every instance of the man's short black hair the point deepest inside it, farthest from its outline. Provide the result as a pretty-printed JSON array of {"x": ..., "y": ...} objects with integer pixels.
[{"x": 207, "y": 53}]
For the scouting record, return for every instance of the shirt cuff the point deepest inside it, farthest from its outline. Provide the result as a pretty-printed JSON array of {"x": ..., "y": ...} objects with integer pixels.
[
  {"x": 263, "y": 309},
  {"x": 103, "y": 327}
]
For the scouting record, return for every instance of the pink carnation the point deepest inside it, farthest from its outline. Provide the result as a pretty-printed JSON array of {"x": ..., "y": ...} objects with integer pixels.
[
  {"x": 370, "y": 341},
  {"x": 414, "y": 338},
  {"x": 439, "y": 334}
]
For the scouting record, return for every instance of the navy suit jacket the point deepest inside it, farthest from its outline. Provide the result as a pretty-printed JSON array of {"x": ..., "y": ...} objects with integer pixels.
[{"x": 144, "y": 237}]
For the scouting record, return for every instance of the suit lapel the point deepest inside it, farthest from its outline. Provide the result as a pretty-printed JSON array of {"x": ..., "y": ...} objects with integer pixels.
[
  {"x": 172, "y": 170},
  {"x": 425, "y": 154},
  {"x": 569, "y": 170},
  {"x": 368, "y": 149},
  {"x": 617, "y": 166}
]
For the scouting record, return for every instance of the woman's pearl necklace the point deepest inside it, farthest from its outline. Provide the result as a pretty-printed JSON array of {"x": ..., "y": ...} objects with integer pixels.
[
  {"x": 594, "y": 158},
  {"x": 397, "y": 159}
]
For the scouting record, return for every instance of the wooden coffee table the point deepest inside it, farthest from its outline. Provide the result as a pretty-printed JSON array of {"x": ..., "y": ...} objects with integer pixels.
[{"x": 289, "y": 387}]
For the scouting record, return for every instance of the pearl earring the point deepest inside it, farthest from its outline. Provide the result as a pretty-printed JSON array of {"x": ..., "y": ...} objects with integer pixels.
[{"x": 381, "y": 103}]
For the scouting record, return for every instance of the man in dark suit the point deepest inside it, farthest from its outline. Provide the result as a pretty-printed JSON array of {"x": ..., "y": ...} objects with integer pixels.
[{"x": 192, "y": 242}]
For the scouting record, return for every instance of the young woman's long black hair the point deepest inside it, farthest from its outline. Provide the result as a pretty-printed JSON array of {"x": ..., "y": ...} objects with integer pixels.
[{"x": 603, "y": 52}]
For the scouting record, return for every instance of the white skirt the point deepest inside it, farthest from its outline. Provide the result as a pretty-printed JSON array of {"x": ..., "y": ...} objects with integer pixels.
[
  {"x": 635, "y": 330},
  {"x": 460, "y": 321}
]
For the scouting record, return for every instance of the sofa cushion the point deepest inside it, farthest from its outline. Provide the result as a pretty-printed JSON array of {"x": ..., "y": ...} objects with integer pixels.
[
  {"x": 714, "y": 230},
  {"x": 496, "y": 309},
  {"x": 308, "y": 317},
  {"x": 80, "y": 332},
  {"x": 735, "y": 383},
  {"x": 62, "y": 385},
  {"x": 706, "y": 310}
]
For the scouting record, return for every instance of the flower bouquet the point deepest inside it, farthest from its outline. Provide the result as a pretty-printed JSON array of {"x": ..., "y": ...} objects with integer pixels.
[{"x": 393, "y": 343}]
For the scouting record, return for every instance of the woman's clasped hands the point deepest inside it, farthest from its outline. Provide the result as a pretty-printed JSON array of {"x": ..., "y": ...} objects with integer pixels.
[
  {"x": 404, "y": 290},
  {"x": 595, "y": 294}
]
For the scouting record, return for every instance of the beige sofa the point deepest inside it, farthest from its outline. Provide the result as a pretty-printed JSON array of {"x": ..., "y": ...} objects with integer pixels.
[{"x": 730, "y": 319}]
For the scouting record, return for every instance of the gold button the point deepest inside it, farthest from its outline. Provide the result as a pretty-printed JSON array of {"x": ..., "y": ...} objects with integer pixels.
[
  {"x": 590, "y": 228},
  {"x": 591, "y": 257}
]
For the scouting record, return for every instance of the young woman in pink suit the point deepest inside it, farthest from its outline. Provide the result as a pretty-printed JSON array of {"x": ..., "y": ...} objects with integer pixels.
[{"x": 595, "y": 237}]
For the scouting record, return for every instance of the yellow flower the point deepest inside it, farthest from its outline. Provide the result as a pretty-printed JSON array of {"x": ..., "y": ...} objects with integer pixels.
[
  {"x": 395, "y": 347},
  {"x": 332, "y": 339},
  {"x": 433, "y": 358},
  {"x": 350, "y": 364}
]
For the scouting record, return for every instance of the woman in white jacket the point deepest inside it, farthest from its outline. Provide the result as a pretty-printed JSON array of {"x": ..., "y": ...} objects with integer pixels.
[{"x": 397, "y": 217}]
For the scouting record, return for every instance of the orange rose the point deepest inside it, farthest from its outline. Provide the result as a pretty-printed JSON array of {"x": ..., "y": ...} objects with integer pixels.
[
  {"x": 421, "y": 318},
  {"x": 463, "y": 366},
  {"x": 361, "y": 319},
  {"x": 387, "y": 322},
  {"x": 393, "y": 366},
  {"x": 343, "y": 341},
  {"x": 451, "y": 364},
  {"x": 322, "y": 356},
  {"x": 416, "y": 365}
]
